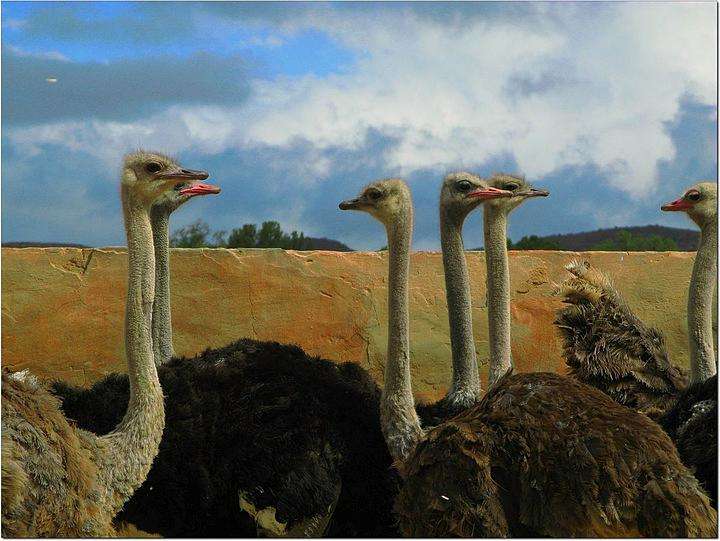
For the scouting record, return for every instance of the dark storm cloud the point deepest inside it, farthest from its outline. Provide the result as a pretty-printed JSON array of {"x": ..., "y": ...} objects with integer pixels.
[
  {"x": 124, "y": 89},
  {"x": 149, "y": 22}
]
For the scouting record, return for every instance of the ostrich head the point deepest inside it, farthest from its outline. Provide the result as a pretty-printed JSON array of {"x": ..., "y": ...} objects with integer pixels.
[
  {"x": 461, "y": 193},
  {"x": 385, "y": 200},
  {"x": 699, "y": 202},
  {"x": 519, "y": 188},
  {"x": 157, "y": 180}
]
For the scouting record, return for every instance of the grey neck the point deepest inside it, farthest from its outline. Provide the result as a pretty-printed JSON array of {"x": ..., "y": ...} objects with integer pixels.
[
  {"x": 465, "y": 390},
  {"x": 161, "y": 313},
  {"x": 400, "y": 423},
  {"x": 700, "y": 305},
  {"x": 498, "y": 292},
  {"x": 129, "y": 450}
]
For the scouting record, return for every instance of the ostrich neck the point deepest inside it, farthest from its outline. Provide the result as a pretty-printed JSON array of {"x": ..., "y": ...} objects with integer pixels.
[
  {"x": 161, "y": 315},
  {"x": 127, "y": 453},
  {"x": 465, "y": 388},
  {"x": 498, "y": 291},
  {"x": 700, "y": 304},
  {"x": 400, "y": 423}
]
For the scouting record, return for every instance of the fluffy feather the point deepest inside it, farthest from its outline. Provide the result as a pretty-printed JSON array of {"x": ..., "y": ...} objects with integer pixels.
[
  {"x": 610, "y": 348},
  {"x": 544, "y": 455},
  {"x": 263, "y": 421}
]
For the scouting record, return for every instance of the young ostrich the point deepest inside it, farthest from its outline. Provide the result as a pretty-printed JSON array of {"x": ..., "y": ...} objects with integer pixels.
[
  {"x": 61, "y": 481},
  {"x": 540, "y": 455},
  {"x": 259, "y": 437},
  {"x": 608, "y": 347}
]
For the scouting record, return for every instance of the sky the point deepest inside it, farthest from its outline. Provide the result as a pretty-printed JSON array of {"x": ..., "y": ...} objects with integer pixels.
[{"x": 294, "y": 107}]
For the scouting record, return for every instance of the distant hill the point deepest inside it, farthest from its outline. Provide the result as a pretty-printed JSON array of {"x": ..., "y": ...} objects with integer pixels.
[
  {"x": 31, "y": 244},
  {"x": 686, "y": 239},
  {"x": 327, "y": 244}
]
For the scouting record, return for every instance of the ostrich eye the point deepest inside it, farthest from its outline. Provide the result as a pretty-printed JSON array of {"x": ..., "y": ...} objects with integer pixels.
[
  {"x": 692, "y": 196},
  {"x": 374, "y": 194},
  {"x": 464, "y": 185},
  {"x": 153, "y": 167},
  {"x": 510, "y": 186}
]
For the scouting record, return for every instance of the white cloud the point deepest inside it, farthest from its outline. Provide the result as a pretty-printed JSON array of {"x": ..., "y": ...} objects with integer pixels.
[
  {"x": 49, "y": 55},
  {"x": 588, "y": 85}
]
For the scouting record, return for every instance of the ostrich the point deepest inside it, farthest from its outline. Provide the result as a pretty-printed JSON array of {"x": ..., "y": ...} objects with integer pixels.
[
  {"x": 259, "y": 437},
  {"x": 700, "y": 204},
  {"x": 540, "y": 454},
  {"x": 58, "y": 480},
  {"x": 465, "y": 389},
  {"x": 608, "y": 347}
]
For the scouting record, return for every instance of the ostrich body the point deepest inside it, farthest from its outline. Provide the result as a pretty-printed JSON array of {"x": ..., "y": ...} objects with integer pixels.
[
  {"x": 59, "y": 480},
  {"x": 608, "y": 347},
  {"x": 540, "y": 454},
  {"x": 692, "y": 425},
  {"x": 259, "y": 436},
  {"x": 605, "y": 345}
]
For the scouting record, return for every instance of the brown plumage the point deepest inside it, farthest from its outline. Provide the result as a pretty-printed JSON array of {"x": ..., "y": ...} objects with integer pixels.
[
  {"x": 544, "y": 455},
  {"x": 605, "y": 345},
  {"x": 540, "y": 454},
  {"x": 608, "y": 347},
  {"x": 34, "y": 429},
  {"x": 58, "y": 480}
]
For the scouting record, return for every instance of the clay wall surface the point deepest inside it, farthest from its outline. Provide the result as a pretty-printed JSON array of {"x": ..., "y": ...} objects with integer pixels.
[{"x": 63, "y": 308}]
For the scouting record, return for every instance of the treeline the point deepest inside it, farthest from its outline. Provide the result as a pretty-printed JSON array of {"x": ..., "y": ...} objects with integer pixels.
[
  {"x": 624, "y": 241},
  {"x": 268, "y": 235}
]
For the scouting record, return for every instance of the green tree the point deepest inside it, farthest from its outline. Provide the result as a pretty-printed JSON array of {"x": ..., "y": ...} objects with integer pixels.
[
  {"x": 243, "y": 237},
  {"x": 625, "y": 241},
  {"x": 296, "y": 241},
  {"x": 270, "y": 236},
  {"x": 533, "y": 242},
  {"x": 194, "y": 235},
  {"x": 219, "y": 238},
  {"x": 662, "y": 244},
  {"x": 607, "y": 245}
]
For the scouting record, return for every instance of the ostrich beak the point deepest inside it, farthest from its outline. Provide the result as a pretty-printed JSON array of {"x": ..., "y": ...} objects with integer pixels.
[
  {"x": 489, "y": 193},
  {"x": 535, "y": 192},
  {"x": 678, "y": 204},
  {"x": 182, "y": 174},
  {"x": 349, "y": 204},
  {"x": 200, "y": 189}
]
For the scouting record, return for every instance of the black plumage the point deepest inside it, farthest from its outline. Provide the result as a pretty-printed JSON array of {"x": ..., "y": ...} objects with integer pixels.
[
  {"x": 435, "y": 413},
  {"x": 692, "y": 424},
  {"x": 262, "y": 421}
]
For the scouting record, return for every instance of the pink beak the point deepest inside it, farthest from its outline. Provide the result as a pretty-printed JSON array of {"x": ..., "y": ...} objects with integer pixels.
[
  {"x": 490, "y": 193},
  {"x": 678, "y": 204},
  {"x": 200, "y": 189}
]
